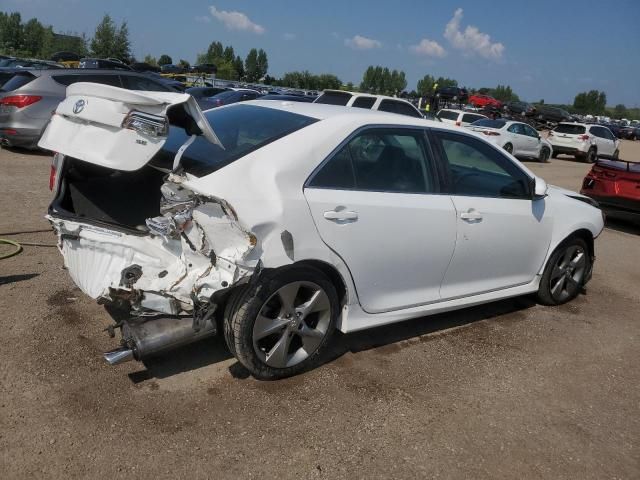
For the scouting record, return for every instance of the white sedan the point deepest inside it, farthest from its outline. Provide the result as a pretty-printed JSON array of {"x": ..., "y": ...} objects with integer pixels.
[
  {"x": 517, "y": 138},
  {"x": 275, "y": 223}
]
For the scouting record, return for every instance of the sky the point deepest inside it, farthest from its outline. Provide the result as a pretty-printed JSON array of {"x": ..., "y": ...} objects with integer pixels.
[{"x": 543, "y": 49}]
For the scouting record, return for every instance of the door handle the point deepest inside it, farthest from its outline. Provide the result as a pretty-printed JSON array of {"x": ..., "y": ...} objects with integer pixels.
[
  {"x": 340, "y": 215},
  {"x": 471, "y": 215}
]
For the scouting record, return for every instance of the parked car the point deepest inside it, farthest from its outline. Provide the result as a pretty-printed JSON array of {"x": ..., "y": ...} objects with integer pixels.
[
  {"x": 517, "y": 138},
  {"x": 520, "y": 108},
  {"x": 144, "y": 67},
  {"x": 369, "y": 101},
  {"x": 454, "y": 94},
  {"x": 28, "y": 98},
  {"x": 545, "y": 113},
  {"x": 170, "y": 68},
  {"x": 268, "y": 220},
  {"x": 28, "y": 63},
  {"x": 615, "y": 129},
  {"x": 614, "y": 184},
  {"x": 201, "y": 92},
  {"x": 233, "y": 95},
  {"x": 99, "y": 63},
  {"x": 484, "y": 100},
  {"x": 208, "y": 68},
  {"x": 288, "y": 98},
  {"x": 629, "y": 133},
  {"x": 459, "y": 118},
  {"x": 584, "y": 141}
]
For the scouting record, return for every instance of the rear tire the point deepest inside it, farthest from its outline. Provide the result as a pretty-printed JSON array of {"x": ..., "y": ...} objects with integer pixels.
[
  {"x": 544, "y": 155},
  {"x": 554, "y": 155},
  {"x": 564, "y": 275},
  {"x": 281, "y": 325},
  {"x": 591, "y": 156}
]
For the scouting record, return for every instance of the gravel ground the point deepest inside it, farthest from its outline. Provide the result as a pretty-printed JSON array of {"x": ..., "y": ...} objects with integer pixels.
[{"x": 506, "y": 390}]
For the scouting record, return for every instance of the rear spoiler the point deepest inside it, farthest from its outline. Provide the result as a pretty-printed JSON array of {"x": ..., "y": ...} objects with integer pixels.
[{"x": 626, "y": 165}]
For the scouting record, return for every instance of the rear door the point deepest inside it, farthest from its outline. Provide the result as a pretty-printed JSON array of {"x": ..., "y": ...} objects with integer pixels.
[
  {"x": 523, "y": 143},
  {"x": 375, "y": 203},
  {"x": 502, "y": 234}
]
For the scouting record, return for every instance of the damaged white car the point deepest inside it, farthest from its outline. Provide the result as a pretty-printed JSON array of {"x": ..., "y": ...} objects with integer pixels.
[{"x": 275, "y": 223}]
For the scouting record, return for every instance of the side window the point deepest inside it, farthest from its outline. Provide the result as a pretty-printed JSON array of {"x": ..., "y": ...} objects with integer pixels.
[
  {"x": 388, "y": 106},
  {"x": 364, "y": 102},
  {"x": 608, "y": 134},
  {"x": 530, "y": 131},
  {"x": 470, "y": 118},
  {"x": 133, "y": 82},
  {"x": 67, "y": 80},
  {"x": 596, "y": 132},
  {"x": 477, "y": 169},
  {"x": 405, "y": 109},
  {"x": 516, "y": 128},
  {"x": 379, "y": 160}
]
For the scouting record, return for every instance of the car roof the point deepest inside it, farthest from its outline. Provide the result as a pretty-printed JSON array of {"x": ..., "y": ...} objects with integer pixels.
[
  {"x": 364, "y": 94},
  {"x": 85, "y": 71}
]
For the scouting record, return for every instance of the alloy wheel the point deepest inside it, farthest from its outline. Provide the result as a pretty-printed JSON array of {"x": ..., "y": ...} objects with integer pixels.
[
  {"x": 291, "y": 324},
  {"x": 568, "y": 273}
]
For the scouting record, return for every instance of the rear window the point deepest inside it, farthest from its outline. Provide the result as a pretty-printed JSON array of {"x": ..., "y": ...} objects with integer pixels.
[
  {"x": 398, "y": 107},
  {"x": 448, "y": 115},
  {"x": 113, "y": 80},
  {"x": 570, "y": 129},
  {"x": 471, "y": 117},
  {"x": 242, "y": 129},
  {"x": 487, "y": 122},
  {"x": 16, "y": 81},
  {"x": 363, "y": 102},
  {"x": 334, "y": 98}
]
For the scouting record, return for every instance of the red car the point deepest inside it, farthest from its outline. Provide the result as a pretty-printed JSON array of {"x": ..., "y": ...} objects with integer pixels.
[
  {"x": 484, "y": 101},
  {"x": 615, "y": 185}
]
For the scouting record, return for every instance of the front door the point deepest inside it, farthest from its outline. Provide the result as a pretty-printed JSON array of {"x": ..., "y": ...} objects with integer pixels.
[
  {"x": 375, "y": 203},
  {"x": 502, "y": 235}
]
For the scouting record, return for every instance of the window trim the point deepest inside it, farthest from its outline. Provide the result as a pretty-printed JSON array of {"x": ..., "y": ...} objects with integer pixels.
[
  {"x": 431, "y": 162},
  {"x": 441, "y": 158}
]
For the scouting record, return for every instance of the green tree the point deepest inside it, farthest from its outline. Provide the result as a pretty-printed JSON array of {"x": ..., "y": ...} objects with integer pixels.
[
  {"x": 251, "y": 66},
  {"x": 184, "y": 64},
  {"x": 165, "y": 60},
  {"x": 151, "y": 60},
  {"x": 11, "y": 33},
  {"x": 104, "y": 38},
  {"x": 592, "y": 102},
  {"x": 504, "y": 93},
  {"x": 620, "y": 111},
  {"x": 228, "y": 54},
  {"x": 238, "y": 66},
  {"x": 262, "y": 63},
  {"x": 33, "y": 38},
  {"x": 121, "y": 44}
]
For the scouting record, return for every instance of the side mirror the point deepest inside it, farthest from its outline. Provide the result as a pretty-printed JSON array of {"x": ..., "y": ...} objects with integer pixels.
[{"x": 539, "y": 188}]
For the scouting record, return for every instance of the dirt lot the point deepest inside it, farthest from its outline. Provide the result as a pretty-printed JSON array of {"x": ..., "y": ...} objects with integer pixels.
[{"x": 507, "y": 390}]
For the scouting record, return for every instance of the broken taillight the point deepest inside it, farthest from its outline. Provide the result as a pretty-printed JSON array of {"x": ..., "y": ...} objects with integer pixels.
[
  {"x": 56, "y": 163},
  {"x": 146, "y": 123},
  {"x": 583, "y": 137},
  {"x": 19, "y": 101}
]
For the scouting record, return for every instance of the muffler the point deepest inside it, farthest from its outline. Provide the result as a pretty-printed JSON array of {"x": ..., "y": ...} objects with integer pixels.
[{"x": 147, "y": 336}]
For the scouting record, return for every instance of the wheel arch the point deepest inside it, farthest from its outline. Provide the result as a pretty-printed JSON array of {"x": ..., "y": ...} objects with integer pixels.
[{"x": 582, "y": 233}]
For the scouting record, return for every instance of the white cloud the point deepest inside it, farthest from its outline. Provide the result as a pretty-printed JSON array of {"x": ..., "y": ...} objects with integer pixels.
[
  {"x": 471, "y": 40},
  {"x": 289, "y": 36},
  {"x": 428, "y": 48},
  {"x": 362, "y": 43},
  {"x": 236, "y": 21}
]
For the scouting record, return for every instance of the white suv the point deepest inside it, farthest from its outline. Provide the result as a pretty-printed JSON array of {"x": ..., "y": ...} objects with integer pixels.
[
  {"x": 459, "y": 118},
  {"x": 584, "y": 141},
  {"x": 369, "y": 101}
]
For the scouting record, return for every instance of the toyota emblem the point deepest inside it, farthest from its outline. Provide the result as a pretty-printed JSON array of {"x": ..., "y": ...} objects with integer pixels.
[{"x": 79, "y": 106}]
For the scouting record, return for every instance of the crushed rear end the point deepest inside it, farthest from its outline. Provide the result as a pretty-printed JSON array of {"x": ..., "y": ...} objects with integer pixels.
[{"x": 133, "y": 234}]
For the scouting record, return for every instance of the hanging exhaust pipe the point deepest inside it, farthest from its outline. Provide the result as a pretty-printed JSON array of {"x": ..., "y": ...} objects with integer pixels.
[
  {"x": 119, "y": 355},
  {"x": 144, "y": 337}
]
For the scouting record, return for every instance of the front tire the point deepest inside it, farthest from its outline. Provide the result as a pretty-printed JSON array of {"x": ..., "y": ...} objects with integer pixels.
[
  {"x": 565, "y": 273},
  {"x": 508, "y": 147},
  {"x": 281, "y": 325},
  {"x": 591, "y": 156}
]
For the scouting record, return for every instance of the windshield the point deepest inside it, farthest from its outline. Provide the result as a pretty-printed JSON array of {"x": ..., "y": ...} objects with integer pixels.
[
  {"x": 488, "y": 123},
  {"x": 242, "y": 129},
  {"x": 448, "y": 115},
  {"x": 570, "y": 129}
]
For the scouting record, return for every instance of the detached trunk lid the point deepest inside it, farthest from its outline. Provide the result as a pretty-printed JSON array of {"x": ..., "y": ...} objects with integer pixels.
[{"x": 117, "y": 128}]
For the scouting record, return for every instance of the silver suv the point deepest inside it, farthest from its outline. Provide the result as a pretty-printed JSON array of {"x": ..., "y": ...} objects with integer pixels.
[{"x": 29, "y": 97}]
